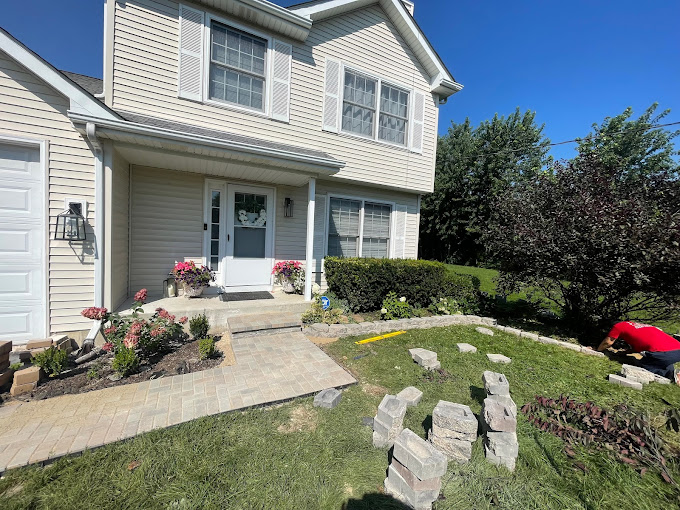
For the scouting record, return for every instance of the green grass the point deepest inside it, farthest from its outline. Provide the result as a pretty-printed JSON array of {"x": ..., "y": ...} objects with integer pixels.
[{"x": 242, "y": 461}]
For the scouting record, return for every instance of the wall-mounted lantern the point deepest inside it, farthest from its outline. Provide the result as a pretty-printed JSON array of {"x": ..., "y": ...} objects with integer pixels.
[
  {"x": 71, "y": 224},
  {"x": 288, "y": 207}
]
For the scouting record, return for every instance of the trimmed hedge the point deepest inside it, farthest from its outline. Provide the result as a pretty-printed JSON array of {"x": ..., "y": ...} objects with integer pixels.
[{"x": 364, "y": 283}]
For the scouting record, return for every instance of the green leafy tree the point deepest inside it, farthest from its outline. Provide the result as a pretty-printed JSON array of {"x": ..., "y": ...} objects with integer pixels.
[
  {"x": 639, "y": 146},
  {"x": 474, "y": 166},
  {"x": 601, "y": 246}
]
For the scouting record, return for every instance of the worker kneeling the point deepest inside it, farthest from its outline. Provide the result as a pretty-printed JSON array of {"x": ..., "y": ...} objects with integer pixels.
[{"x": 659, "y": 350}]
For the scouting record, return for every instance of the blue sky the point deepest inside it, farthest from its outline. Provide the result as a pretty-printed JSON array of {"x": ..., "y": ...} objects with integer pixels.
[{"x": 572, "y": 62}]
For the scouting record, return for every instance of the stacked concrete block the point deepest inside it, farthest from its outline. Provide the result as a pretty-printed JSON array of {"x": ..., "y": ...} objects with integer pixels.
[
  {"x": 641, "y": 375},
  {"x": 454, "y": 429},
  {"x": 414, "y": 474},
  {"x": 5, "y": 372},
  {"x": 25, "y": 381},
  {"x": 410, "y": 395},
  {"x": 499, "y": 421},
  {"x": 388, "y": 423},
  {"x": 328, "y": 398},
  {"x": 426, "y": 359}
]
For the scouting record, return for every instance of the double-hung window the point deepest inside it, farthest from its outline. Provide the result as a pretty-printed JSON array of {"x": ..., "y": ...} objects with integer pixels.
[
  {"x": 357, "y": 228},
  {"x": 366, "y": 100},
  {"x": 237, "y": 67}
]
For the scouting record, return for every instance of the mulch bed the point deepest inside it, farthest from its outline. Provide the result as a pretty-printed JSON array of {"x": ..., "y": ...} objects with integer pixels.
[{"x": 183, "y": 359}]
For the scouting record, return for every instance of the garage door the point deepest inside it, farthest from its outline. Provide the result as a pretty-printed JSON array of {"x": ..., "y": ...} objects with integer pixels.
[{"x": 22, "y": 240}]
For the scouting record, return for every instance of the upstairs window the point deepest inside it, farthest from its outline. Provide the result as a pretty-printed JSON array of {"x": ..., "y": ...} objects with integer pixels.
[
  {"x": 358, "y": 105},
  {"x": 237, "y": 67},
  {"x": 367, "y": 100}
]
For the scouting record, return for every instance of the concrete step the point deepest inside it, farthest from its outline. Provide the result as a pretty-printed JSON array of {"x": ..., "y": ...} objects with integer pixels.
[{"x": 264, "y": 323}]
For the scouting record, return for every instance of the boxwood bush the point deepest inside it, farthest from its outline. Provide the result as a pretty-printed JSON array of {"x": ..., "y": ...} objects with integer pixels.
[{"x": 363, "y": 283}]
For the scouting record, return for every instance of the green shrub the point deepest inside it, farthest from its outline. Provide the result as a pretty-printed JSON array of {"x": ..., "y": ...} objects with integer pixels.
[
  {"x": 199, "y": 326},
  {"x": 94, "y": 372},
  {"x": 125, "y": 361},
  {"x": 394, "y": 307},
  {"x": 15, "y": 366},
  {"x": 316, "y": 314},
  {"x": 53, "y": 361},
  {"x": 445, "y": 306},
  {"x": 206, "y": 348},
  {"x": 364, "y": 283}
]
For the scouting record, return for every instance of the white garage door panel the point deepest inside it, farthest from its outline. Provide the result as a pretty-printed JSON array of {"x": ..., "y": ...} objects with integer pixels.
[{"x": 22, "y": 240}]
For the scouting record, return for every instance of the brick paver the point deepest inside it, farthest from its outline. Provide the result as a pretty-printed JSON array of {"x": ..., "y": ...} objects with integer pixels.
[{"x": 268, "y": 369}]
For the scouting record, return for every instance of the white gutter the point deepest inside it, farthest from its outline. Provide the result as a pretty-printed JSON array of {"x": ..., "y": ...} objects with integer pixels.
[
  {"x": 178, "y": 136},
  {"x": 90, "y": 130}
]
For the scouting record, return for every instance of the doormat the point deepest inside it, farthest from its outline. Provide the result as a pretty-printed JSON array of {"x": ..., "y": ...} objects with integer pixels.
[{"x": 246, "y": 296}]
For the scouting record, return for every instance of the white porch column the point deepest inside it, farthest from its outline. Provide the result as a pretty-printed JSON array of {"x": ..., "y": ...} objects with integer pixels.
[{"x": 310, "y": 239}]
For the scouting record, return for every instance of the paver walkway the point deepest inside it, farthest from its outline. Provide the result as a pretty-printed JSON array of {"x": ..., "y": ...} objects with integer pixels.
[{"x": 268, "y": 369}]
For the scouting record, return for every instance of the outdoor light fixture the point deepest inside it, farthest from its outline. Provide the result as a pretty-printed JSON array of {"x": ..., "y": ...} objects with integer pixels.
[
  {"x": 288, "y": 207},
  {"x": 71, "y": 224}
]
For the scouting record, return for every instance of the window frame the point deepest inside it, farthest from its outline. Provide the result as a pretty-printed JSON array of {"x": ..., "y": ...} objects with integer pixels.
[
  {"x": 363, "y": 200},
  {"x": 390, "y": 83},
  {"x": 207, "y": 61}
]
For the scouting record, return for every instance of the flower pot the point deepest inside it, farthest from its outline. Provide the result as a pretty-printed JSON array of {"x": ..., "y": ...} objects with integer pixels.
[
  {"x": 288, "y": 288},
  {"x": 190, "y": 292}
]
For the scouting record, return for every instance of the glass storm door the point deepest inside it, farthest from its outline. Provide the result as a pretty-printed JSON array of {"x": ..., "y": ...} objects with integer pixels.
[
  {"x": 250, "y": 215},
  {"x": 215, "y": 237}
]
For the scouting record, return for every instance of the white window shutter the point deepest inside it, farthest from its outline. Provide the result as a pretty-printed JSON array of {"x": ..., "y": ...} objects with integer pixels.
[
  {"x": 332, "y": 96},
  {"x": 418, "y": 122},
  {"x": 399, "y": 247},
  {"x": 190, "y": 53},
  {"x": 283, "y": 60},
  {"x": 319, "y": 251}
]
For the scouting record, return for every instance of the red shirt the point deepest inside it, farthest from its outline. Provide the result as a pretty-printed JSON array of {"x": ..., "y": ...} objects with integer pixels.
[{"x": 642, "y": 337}]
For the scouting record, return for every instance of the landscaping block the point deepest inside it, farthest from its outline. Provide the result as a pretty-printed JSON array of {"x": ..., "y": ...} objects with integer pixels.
[
  {"x": 622, "y": 381},
  {"x": 506, "y": 401},
  {"x": 19, "y": 356},
  {"x": 569, "y": 345},
  {"x": 419, "y": 456},
  {"x": 397, "y": 486},
  {"x": 22, "y": 389},
  {"x": 5, "y": 376},
  {"x": 498, "y": 417},
  {"x": 34, "y": 352},
  {"x": 328, "y": 398},
  {"x": 508, "y": 462},
  {"x": 423, "y": 356},
  {"x": 496, "y": 384},
  {"x": 457, "y": 418},
  {"x": 466, "y": 348},
  {"x": 388, "y": 422},
  {"x": 641, "y": 375},
  {"x": 27, "y": 375},
  {"x": 4, "y": 364},
  {"x": 484, "y": 331},
  {"x": 37, "y": 344},
  {"x": 547, "y": 340},
  {"x": 593, "y": 352},
  {"x": 513, "y": 331},
  {"x": 530, "y": 336},
  {"x": 502, "y": 444},
  {"x": 498, "y": 358},
  {"x": 457, "y": 450},
  {"x": 415, "y": 483},
  {"x": 5, "y": 346},
  {"x": 411, "y": 396}
]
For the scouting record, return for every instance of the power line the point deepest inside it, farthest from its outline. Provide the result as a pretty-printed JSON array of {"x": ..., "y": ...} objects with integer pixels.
[{"x": 587, "y": 137}]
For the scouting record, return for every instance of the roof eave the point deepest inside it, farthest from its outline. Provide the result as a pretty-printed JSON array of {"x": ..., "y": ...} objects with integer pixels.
[
  {"x": 445, "y": 88},
  {"x": 325, "y": 166}
]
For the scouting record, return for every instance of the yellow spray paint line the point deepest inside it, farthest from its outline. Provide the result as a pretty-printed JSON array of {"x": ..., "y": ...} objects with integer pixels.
[{"x": 381, "y": 337}]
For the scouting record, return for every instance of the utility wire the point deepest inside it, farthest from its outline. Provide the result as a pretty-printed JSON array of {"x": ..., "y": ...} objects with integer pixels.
[{"x": 587, "y": 137}]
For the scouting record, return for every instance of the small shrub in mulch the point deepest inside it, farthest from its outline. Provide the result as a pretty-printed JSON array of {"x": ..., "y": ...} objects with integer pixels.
[{"x": 629, "y": 436}]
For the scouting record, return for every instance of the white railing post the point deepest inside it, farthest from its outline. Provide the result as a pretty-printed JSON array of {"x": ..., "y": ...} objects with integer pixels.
[{"x": 310, "y": 239}]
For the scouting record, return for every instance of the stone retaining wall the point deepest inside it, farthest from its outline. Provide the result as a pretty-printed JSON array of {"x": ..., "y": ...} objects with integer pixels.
[{"x": 380, "y": 327}]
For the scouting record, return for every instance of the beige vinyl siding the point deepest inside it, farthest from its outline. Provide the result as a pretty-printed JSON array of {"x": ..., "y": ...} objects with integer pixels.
[
  {"x": 166, "y": 224},
  {"x": 120, "y": 247},
  {"x": 30, "y": 108},
  {"x": 145, "y": 81}
]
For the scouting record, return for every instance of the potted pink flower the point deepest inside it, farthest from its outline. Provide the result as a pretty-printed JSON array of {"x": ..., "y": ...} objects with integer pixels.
[
  {"x": 192, "y": 278},
  {"x": 290, "y": 275}
]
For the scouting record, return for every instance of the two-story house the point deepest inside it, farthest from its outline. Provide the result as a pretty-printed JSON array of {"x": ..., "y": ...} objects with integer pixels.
[{"x": 232, "y": 132}]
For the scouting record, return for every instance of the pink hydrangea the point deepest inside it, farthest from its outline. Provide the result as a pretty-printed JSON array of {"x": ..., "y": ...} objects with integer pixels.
[
  {"x": 159, "y": 331},
  {"x": 108, "y": 346},
  {"x": 131, "y": 341},
  {"x": 110, "y": 330},
  {"x": 141, "y": 295},
  {"x": 183, "y": 320},
  {"x": 164, "y": 314},
  {"x": 136, "y": 328},
  {"x": 95, "y": 313}
]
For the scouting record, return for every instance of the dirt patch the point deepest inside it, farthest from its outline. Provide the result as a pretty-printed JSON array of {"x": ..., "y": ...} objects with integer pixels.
[
  {"x": 317, "y": 340},
  {"x": 184, "y": 359},
  {"x": 374, "y": 389},
  {"x": 302, "y": 419},
  {"x": 224, "y": 346}
]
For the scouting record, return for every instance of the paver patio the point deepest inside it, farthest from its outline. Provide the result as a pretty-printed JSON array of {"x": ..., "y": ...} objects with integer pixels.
[{"x": 268, "y": 369}]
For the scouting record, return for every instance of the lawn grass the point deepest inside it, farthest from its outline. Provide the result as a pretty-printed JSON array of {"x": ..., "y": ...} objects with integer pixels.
[
  {"x": 298, "y": 457},
  {"x": 488, "y": 285}
]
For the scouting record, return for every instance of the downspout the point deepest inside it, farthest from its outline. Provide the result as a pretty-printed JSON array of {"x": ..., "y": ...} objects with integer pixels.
[{"x": 90, "y": 130}]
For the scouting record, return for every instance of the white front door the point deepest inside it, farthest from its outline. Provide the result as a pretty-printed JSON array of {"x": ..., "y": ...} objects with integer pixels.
[
  {"x": 250, "y": 239},
  {"x": 22, "y": 243}
]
